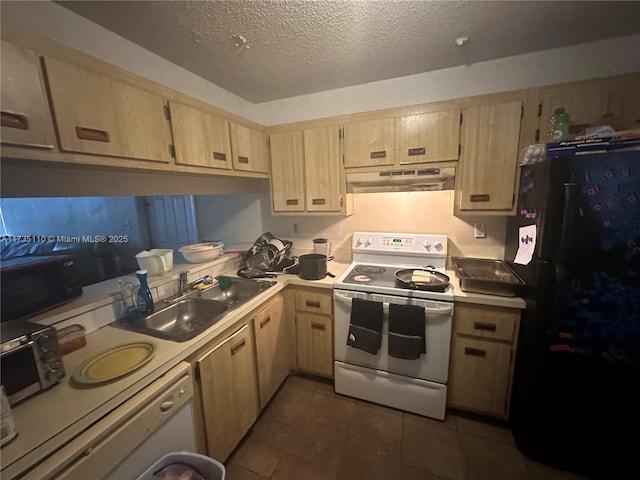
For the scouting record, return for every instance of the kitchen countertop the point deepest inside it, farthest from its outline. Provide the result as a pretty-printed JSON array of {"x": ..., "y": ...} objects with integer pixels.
[{"x": 52, "y": 418}]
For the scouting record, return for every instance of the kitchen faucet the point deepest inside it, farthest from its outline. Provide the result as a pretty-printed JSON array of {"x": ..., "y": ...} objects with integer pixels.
[{"x": 184, "y": 286}]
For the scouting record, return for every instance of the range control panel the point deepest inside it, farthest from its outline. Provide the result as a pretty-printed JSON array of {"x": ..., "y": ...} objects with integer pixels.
[{"x": 405, "y": 243}]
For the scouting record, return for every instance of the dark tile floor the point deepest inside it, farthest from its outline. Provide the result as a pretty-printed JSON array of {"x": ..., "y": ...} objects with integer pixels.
[{"x": 308, "y": 432}]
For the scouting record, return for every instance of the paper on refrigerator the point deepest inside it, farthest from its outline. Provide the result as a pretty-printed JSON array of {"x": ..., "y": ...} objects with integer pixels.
[{"x": 526, "y": 245}]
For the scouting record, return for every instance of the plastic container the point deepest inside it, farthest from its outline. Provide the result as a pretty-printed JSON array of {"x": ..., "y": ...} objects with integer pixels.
[
  {"x": 71, "y": 338},
  {"x": 176, "y": 463},
  {"x": 8, "y": 425},
  {"x": 559, "y": 125},
  {"x": 144, "y": 300}
]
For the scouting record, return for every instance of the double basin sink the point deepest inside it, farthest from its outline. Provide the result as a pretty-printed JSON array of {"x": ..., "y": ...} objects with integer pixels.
[{"x": 196, "y": 311}]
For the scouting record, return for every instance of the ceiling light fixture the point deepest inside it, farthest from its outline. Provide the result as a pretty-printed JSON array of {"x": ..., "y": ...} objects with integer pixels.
[{"x": 461, "y": 41}]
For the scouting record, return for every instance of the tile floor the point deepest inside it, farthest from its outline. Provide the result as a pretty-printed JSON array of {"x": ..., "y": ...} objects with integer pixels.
[{"x": 308, "y": 432}]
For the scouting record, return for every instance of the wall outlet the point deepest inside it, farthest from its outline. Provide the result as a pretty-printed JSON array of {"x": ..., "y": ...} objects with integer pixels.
[{"x": 478, "y": 230}]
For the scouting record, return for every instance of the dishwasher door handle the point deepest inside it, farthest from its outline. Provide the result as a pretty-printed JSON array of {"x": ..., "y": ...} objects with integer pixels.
[{"x": 166, "y": 406}]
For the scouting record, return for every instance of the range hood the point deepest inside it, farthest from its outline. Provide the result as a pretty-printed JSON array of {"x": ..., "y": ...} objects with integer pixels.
[{"x": 405, "y": 180}]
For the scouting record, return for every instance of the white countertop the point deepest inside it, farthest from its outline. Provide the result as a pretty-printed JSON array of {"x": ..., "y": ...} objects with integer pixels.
[{"x": 52, "y": 418}]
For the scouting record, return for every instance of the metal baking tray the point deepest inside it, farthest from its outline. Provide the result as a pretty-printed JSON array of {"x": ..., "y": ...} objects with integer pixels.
[{"x": 485, "y": 275}]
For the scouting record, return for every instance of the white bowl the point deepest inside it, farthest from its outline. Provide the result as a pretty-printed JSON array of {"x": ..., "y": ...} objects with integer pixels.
[{"x": 201, "y": 252}]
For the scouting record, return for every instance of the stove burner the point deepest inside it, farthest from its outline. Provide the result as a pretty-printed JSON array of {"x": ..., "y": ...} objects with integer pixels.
[
  {"x": 361, "y": 278},
  {"x": 370, "y": 269}
]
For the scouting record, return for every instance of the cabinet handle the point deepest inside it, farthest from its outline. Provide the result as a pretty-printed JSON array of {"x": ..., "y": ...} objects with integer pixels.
[
  {"x": 317, "y": 326},
  {"x": 379, "y": 154},
  {"x": 264, "y": 322},
  {"x": 237, "y": 347},
  {"x": 92, "y": 134},
  {"x": 416, "y": 151},
  {"x": 318, "y": 201},
  {"x": 480, "y": 197},
  {"x": 475, "y": 352},
  {"x": 489, "y": 327},
  {"x": 292, "y": 201},
  {"x": 243, "y": 160},
  {"x": 15, "y": 120},
  {"x": 312, "y": 303},
  {"x": 220, "y": 156}
]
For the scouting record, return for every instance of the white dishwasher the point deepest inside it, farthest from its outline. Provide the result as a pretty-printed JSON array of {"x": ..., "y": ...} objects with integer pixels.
[{"x": 156, "y": 421}]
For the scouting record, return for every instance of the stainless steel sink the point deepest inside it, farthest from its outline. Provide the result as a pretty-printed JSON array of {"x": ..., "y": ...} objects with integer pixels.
[
  {"x": 180, "y": 321},
  {"x": 239, "y": 291},
  {"x": 188, "y": 316}
]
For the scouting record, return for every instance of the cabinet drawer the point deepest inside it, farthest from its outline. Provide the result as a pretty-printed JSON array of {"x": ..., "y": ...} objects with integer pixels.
[
  {"x": 488, "y": 322},
  {"x": 314, "y": 302}
]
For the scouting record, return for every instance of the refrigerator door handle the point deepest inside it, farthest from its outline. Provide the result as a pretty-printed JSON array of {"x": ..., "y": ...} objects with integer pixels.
[
  {"x": 559, "y": 292},
  {"x": 568, "y": 217}
]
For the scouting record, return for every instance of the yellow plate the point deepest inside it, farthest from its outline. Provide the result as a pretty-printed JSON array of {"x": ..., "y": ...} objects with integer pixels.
[{"x": 114, "y": 363}]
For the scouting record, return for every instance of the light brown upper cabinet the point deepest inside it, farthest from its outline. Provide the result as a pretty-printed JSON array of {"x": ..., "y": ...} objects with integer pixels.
[
  {"x": 25, "y": 115},
  {"x": 249, "y": 148},
  {"x": 100, "y": 115},
  {"x": 287, "y": 171},
  {"x": 201, "y": 138},
  {"x": 430, "y": 137},
  {"x": 624, "y": 104},
  {"x": 306, "y": 173},
  {"x": 322, "y": 169},
  {"x": 486, "y": 173},
  {"x": 584, "y": 105},
  {"x": 370, "y": 143}
]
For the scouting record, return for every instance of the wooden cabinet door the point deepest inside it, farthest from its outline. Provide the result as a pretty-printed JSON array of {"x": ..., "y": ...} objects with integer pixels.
[
  {"x": 25, "y": 115},
  {"x": 369, "y": 144},
  {"x": 201, "y": 139},
  {"x": 272, "y": 348},
  {"x": 229, "y": 392},
  {"x": 625, "y": 105},
  {"x": 100, "y": 115},
  {"x": 480, "y": 376},
  {"x": 249, "y": 149},
  {"x": 322, "y": 169},
  {"x": 315, "y": 344},
  {"x": 584, "y": 105},
  {"x": 489, "y": 156},
  {"x": 430, "y": 137},
  {"x": 287, "y": 171}
]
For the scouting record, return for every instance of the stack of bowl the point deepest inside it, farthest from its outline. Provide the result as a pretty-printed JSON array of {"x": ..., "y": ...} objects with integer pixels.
[{"x": 201, "y": 252}]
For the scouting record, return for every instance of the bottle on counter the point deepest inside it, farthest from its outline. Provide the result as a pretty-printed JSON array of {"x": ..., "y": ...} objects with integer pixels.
[
  {"x": 144, "y": 300},
  {"x": 559, "y": 125}
]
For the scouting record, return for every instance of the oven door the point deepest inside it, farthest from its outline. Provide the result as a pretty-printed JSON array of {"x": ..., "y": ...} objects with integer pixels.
[{"x": 433, "y": 366}]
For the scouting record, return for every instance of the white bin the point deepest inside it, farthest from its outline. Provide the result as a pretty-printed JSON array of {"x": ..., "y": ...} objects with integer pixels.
[{"x": 209, "y": 468}]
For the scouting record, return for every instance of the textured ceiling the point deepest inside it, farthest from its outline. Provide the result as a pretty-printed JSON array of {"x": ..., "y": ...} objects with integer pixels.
[{"x": 272, "y": 49}]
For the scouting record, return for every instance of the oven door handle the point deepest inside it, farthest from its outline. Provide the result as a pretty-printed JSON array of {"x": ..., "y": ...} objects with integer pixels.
[{"x": 447, "y": 309}]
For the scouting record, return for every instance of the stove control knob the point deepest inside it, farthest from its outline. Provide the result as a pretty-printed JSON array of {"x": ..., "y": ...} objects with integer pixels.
[
  {"x": 427, "y": 245},
  {"x": 438, "y": 246},
  {"x": 358, "y": 242},
  {"x": 368, "y": 242}
]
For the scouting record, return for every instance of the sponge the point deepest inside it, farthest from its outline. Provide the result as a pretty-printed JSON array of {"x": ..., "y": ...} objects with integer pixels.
[{"x": 224, "y": 282}]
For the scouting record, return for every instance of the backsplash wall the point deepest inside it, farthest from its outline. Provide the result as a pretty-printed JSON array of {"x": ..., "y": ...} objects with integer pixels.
[{"x": 410, "y": 212}]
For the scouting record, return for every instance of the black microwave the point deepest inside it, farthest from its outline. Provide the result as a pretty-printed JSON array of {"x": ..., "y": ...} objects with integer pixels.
[{"x": 32, "y": 285}]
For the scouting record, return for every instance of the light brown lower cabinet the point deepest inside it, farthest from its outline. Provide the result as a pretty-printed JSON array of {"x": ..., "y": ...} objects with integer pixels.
[
  {"x": 482, "y": 358},
  {"x": 228, "y": 392},
  {"x": 274, "y": 339},
  {"x": 314, "y": 331}
]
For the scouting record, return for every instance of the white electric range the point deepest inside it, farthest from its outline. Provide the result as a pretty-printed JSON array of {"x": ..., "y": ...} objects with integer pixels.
[{"x": 417, "y": 385}]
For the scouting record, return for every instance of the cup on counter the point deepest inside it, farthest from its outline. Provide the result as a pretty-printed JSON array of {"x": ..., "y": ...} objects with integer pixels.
[{"x": 322, "y": 246}]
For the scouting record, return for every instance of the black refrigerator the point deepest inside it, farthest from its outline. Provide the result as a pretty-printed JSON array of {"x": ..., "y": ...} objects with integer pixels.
[{"x": 575, "y": 241}]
